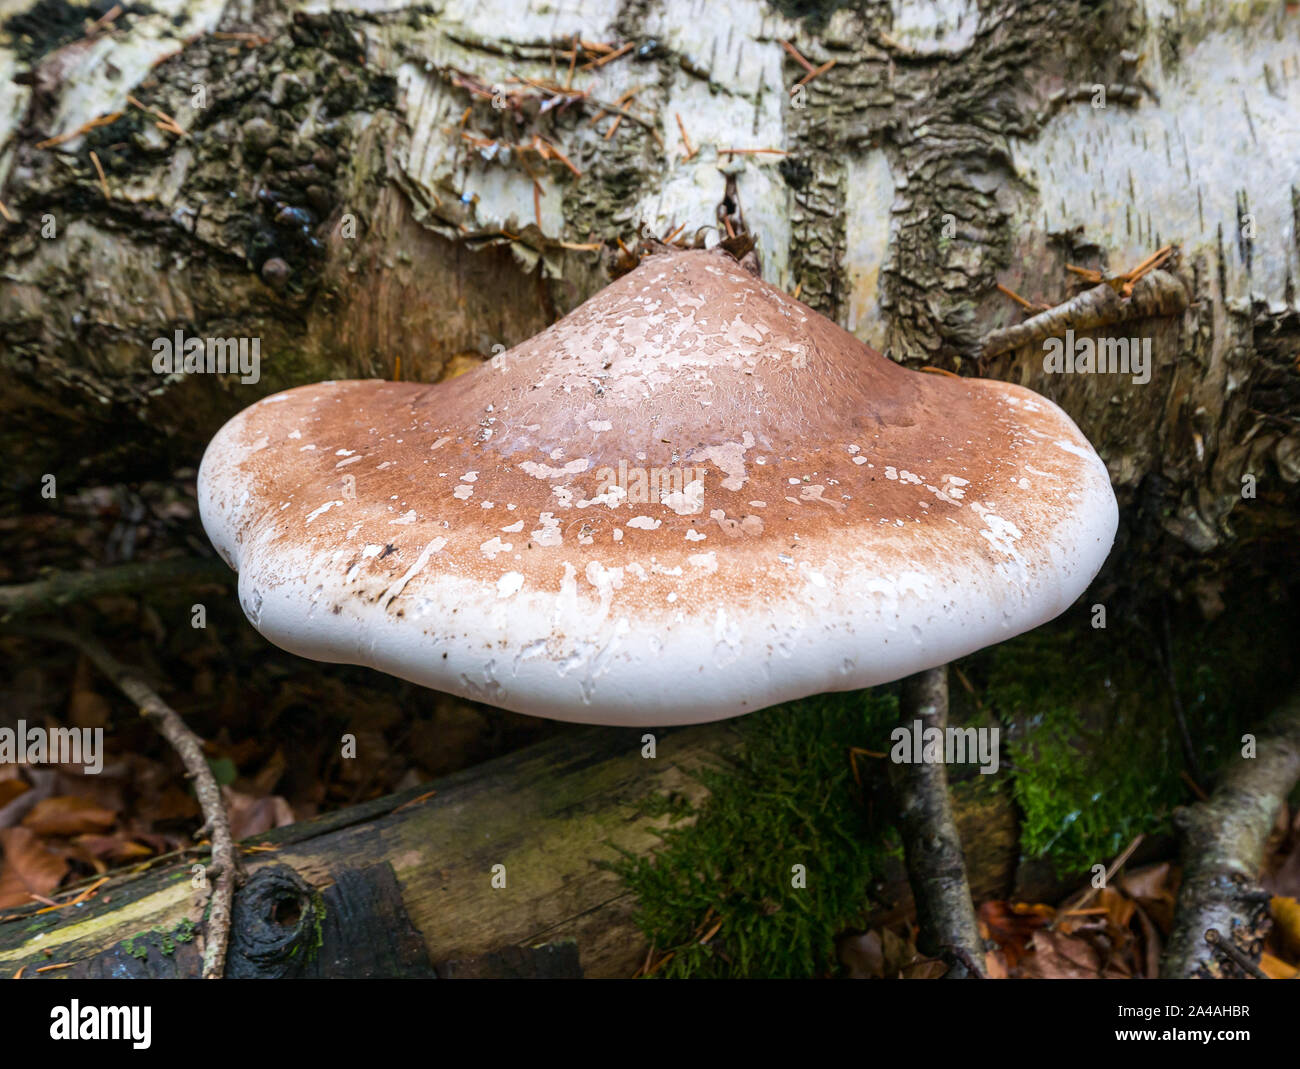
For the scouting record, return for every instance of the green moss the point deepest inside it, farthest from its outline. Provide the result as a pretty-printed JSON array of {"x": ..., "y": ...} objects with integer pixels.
[
  {"x": 1088, "y": 773},
  {"x": 138, "y": 945},
  {"x": 318, "y": 921},
  {"x": 133, "y": 946},
  {"x": 788, "y": 799},
  {"x": 1090, "y": 749},
  {"x": 1091, "y": 731}
]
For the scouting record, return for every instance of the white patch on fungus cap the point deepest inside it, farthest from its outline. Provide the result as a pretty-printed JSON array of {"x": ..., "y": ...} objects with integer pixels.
[{"x": 663, "y": 412}]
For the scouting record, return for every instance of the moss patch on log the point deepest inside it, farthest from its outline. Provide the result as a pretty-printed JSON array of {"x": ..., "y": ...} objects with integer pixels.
[
  {"x": 160, "y": 939},
  {"x": 788, "y": 799}
]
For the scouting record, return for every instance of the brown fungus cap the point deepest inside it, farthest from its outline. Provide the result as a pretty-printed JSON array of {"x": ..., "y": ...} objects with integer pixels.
[{"x": 691, "y": 498}]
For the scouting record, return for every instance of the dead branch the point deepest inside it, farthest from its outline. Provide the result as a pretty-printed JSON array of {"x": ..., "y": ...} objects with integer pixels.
[
  {"x": 936, "y": 866},
  {"x": 1223, "y": 848},
  {"x": 1157, "y": 293},
  {"x": 224, "y": 870},
  {"x": 65, "y": 588}
]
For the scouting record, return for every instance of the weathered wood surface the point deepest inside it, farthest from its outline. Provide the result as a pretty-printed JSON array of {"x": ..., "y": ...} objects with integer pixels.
[{"x": 551, "y": 814}]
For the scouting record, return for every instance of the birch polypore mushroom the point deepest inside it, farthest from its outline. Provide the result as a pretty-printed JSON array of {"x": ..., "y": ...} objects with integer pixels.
[{"x": 691, "y": 498}]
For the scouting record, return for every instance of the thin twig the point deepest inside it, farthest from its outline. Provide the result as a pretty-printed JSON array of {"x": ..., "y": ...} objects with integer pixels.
[
  {"x": 1115, "y": 866},
  {"x": 608, "y": 58},
  {"x": 99, "y": 169},
  {"x": 168, "y": 123},
  {"x": 932, "y": 851},
  {"x": 252, "y": 40},
  {"x": 557, "y": 154},
  {"x": 103, "y": 120},
  {"x": 573, "y": 60},
  {"x": 797, "y": 56},
  {"x": 690, "y": 149},
  {"x": 1006, "y": 291},
  {"x": 103, "y": 20},
  {"x": 1224, "y": 946},
  {"x": 1223, "y": 847},
  {"x": 169, "y": 724},
  {"x": 815, "y": 73},
  {"x": 646, "y": 123},
  {"x": 1161, "y": 294}
]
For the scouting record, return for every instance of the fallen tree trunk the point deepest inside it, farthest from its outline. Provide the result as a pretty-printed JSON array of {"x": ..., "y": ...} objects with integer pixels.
[{"x": 408, "y": 886}]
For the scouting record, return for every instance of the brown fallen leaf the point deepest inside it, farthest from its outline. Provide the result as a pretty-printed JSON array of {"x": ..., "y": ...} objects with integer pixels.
[
  {"x": 862, "y": 956},
  {"x": 883, "y": 953},
  {"x": 929, "y": 969},
  {"x": 899, "y": 952},
  {"x": 170, "y": 803},
  {"x": 1152, "y": 946},
  {"x": 118, "y": 847},
  {"x": 1155, "y": 888},
  {"x": 28, "y": 869},
  {"x": 264, "y": 782},
  {"x": 253, "y": 816},
  {"x": 1150, "y": 881},
  {"x": 1286, "y": 917},
  {"x": 1119, "y": 909},
  {"x": 106, "y": 790},
  {"x": 11, "y": 789},
  {"x": 43, "y": 783},
  {"x": 1282, "y": 867},
  {"x": 67, "y": 814},
  {"x": 1277, "y": 969},
  {"x": 1010, "y": 925},
  {"x": 1057, "y": 956}
]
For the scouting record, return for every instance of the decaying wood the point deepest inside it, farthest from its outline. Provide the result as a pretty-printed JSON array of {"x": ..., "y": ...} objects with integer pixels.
[
  {"x": 56, "y": 591},
  {"x": 1223, "y": 848},
  {"x": 932, "y": 845},
  {"x": 551, "y": 814}
]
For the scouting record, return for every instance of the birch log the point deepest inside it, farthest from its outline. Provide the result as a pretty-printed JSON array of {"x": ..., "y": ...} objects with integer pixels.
[{"x": 382, "y": 188}]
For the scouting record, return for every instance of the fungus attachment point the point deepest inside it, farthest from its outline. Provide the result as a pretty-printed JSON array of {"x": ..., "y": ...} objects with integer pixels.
[{"x": 691, "y": 498}]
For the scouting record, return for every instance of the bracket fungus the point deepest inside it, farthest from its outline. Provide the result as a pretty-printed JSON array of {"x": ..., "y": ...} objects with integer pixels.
[{"x": 691, "y": 498}]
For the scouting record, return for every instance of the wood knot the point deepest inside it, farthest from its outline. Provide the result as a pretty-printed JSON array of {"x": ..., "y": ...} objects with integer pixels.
[{"x": 275, "y": 925}]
